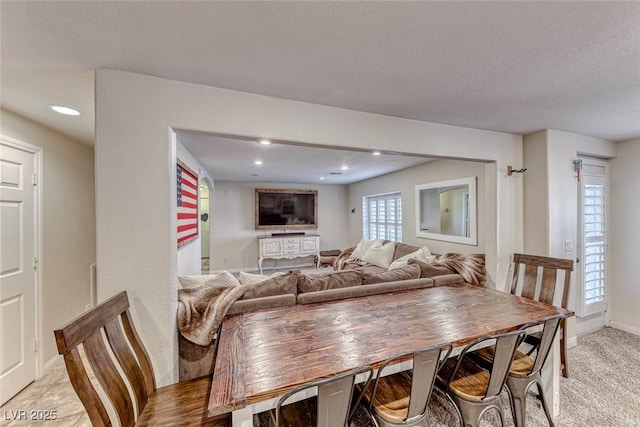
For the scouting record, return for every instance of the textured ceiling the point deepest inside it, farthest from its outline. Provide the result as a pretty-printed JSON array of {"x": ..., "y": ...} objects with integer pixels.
[{"x": 506, "y": 66}]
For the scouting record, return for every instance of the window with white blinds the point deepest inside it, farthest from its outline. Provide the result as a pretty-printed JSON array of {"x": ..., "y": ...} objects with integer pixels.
[
  {"x": 594, "y": 245},
  {"x": 382, "y": 217}
]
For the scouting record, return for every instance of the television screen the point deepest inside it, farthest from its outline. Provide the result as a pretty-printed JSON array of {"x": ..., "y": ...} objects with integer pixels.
[{"x": 286, "y": 209}]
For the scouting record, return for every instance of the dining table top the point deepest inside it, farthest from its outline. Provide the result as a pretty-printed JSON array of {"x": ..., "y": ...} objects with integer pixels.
[{"x": 263, "y": 354}]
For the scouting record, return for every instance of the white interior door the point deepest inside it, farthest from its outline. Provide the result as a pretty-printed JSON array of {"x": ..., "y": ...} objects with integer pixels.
[{"x": 17, "y": 271}]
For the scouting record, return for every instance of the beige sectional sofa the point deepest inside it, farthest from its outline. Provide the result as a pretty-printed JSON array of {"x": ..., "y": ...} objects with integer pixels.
[{"x": 297, "y": 288}]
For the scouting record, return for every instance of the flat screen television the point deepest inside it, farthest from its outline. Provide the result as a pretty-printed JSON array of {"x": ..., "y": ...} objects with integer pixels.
[{"x": 277, "y": 209}]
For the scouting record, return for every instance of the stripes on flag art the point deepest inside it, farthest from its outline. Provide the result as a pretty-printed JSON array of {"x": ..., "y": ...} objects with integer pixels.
[{"x": 187, "y": 187}]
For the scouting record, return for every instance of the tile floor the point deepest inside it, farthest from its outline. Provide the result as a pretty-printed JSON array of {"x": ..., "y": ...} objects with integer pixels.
[{"x": 51, "y": 395}]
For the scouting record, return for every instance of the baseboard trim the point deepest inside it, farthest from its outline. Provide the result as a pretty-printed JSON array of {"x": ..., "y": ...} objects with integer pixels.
[
  {"x": 572, "y": 342},
  {"x": 48, "y": 367},
  {"x": 626, "y": 328}
]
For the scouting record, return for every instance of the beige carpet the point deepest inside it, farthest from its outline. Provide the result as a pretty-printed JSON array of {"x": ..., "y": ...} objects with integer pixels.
[{"x": 603, "y": 389}]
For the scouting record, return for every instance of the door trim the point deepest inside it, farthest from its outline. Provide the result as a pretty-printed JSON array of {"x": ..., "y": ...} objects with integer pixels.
[{"x": 37, "y": 233}]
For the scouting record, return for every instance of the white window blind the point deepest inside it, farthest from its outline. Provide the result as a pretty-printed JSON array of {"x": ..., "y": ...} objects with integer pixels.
[
  {"x": 594, "y": 245},
  {"x": 382, "y": 217}
]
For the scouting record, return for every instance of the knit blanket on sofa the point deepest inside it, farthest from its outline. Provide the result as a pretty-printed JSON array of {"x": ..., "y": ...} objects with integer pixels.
[
  {"x": 471, "y": 267},
  {"x": 201, "y": 310}
]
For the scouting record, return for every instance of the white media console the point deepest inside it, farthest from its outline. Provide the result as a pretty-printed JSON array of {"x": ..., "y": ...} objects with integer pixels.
[{"x": 289, "y": 247}]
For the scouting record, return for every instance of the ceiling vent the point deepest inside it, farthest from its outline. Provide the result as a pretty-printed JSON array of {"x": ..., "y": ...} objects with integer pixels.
[{"x": 335, "y": 173}]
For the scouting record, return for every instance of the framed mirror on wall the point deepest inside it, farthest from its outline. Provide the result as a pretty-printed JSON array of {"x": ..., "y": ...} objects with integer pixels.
[{"x": 446, "y": 211}]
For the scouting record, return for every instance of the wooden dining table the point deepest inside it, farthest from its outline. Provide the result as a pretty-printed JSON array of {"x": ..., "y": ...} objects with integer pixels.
[{"x": 263, "y": 354}]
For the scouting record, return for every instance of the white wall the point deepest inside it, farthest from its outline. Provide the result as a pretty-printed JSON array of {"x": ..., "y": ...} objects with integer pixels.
[
  {"x": 554, "y": 151},
  {"x": 624, "y": 235},
  {"x": 135, "y": 167},
  {"x": 189, "y": 258},
  {"x": 536, "y": 194},
  {"x": 405, "y": 182},
  {"x": 68, "y": 223},
  {"x": 235, "y": 244}
]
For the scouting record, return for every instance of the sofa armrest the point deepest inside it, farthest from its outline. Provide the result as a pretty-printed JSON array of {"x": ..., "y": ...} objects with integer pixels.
[
  {"x": 261, "y": 303},
  {"x": 363, "y": 290},
  {"x": 447, "y": 279}
]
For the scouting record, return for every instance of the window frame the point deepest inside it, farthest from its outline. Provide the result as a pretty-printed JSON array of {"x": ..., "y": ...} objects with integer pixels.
[{"x": 396, "y": 224}]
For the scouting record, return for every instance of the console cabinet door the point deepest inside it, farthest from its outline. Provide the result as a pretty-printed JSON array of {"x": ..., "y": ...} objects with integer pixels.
[
  {"x": 309, "y": 245},
  {"x": 271, "y": 247}
]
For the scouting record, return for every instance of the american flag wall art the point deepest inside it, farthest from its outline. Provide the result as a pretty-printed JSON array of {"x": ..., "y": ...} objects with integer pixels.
[{"x": 187, "y": 186}]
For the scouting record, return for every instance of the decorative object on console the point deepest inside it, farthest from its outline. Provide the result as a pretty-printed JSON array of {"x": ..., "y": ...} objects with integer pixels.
[{"x": 278, "y": 209}]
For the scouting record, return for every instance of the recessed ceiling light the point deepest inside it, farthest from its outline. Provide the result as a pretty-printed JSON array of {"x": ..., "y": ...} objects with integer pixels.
[
  {"x": 265, "y": 142},
  {"x": 376, "y": 153},
  {"x": 257, "y": 162},
  {"x": 344, "y": 168},
  {"x": 322, "y": 177},
  {"x": 65, "y": 110}
]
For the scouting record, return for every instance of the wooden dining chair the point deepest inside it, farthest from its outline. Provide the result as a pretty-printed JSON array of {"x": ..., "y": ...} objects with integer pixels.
[
  {"x": 525, "y": 370},
  {"x": 539, "y": 282},
  {"x": 126, "y": 378},
  {"x": 401, "y": 399},
  {"x": 474, "y": 389},
  {"x": 333, "y": 406}
]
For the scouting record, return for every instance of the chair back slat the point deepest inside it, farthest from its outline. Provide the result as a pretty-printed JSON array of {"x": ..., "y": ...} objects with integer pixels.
[
  {"x": 548, "y": 285},
  {"x": 425, "y": 369},
  {"x": 542, "y": 271},
  {"x": 109, "y": 378},
  {"x": 141, "y": 352},
  {"x": 505, "y": 347},
  {"x": 123, "y": 374},
  {"x": 530, "y": 281},
  {"x": 79, "y": 329},
  {"x": 84, "y": 389},
  {"x": 127, "y": 361},
  {"x": 334, "y": 399},
  {"x": 546, "y": 342}
]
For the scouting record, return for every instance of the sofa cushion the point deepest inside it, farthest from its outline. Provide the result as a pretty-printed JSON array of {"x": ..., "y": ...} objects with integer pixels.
[
  {"x": 264, "y": 303},
  {"x": 311, "y": 282},
  {"x": 403, "y": 249},
  {"x": 363, "y": 246},
  {"x": 380, "y": 256},
  {"x": 363, "y": 291},
  {"x": 275, "y": 285},
  {"x": 407, "y": 272},
  {"x": 422, "y": 254},
  {"x": 222, "y": 279},
  {"x": 251, "y": 278},
  {"x": 447, "y": 280},
  {"x": 430, "y": 270}
]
